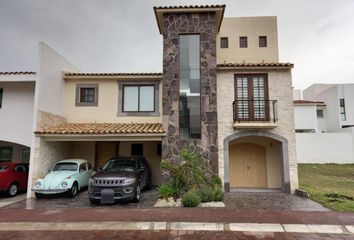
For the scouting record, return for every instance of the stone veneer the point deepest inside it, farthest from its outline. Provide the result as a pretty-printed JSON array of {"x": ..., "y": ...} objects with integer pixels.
[
  {"x": 280, "y": 89},
  {"x": 175, "y": 24}
]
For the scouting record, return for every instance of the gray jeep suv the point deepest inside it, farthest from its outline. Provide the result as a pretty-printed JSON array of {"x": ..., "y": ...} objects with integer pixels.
[{"x": 121, "y": 178}]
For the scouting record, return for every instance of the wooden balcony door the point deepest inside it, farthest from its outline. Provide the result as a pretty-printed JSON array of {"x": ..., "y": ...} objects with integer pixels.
[{"x": 251, "y": 95}]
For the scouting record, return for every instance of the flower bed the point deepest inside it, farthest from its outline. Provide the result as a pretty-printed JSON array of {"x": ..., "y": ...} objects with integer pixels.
[{"x": 170, "y": 202}]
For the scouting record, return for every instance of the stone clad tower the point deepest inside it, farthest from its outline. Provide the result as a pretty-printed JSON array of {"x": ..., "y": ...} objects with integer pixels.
[{"x": 189, "y": 95}]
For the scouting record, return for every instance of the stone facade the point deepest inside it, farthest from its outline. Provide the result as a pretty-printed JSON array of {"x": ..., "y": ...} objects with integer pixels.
[
  {"x": 280, "y": 89},
  {"x": 174, "y": 25},
  {"x": 46, "y": 120}
]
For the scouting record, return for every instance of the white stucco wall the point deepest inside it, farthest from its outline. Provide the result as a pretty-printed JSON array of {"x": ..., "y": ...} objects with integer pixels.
[
  {"x": 16, "y": 113},
  {"x": 324, "y": 147},
  {"x": 305, "y": 117}
]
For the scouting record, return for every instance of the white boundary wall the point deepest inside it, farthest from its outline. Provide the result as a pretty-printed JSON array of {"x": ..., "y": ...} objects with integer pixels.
[{"x": 325, "y": 147}]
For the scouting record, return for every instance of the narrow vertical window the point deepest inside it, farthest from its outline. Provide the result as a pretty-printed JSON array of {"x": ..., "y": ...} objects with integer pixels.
[
  {"x": 342, "y": 109},
  {"x": 243, "y": 42},
  {"x": 224, "y": 42},
  {"x": 262, "y": 41},
  {"x": 189, "y": 92},
  {"x": 1, "y": 93}
]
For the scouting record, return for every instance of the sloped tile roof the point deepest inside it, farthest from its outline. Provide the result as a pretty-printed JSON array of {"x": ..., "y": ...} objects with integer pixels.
[
  {"x": 104, "y": 128},
  {"x": 309, "y": 102},
  {"x": 14, "y": 73},
  {"x": 253, "y": 65},
  {"x": 111, "y": 74}
]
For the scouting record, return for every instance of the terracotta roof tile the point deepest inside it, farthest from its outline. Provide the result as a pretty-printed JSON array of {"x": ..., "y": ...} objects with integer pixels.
[
  {"x": 111, "y": 74},
  {"x": 13, "y": 73},
  {"x": 104, "y": 128},
  {"x": 252, "y": 65},
  {"x": 307, "y": 102}
]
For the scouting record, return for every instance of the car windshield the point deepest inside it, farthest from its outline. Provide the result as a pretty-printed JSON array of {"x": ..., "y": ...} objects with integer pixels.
[
  {"x": 65, "y": 166},
  {"x": 120, "y": 165},
  {"x": 3, "y": 168}
]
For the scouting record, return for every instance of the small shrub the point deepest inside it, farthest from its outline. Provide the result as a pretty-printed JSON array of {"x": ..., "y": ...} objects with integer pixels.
[
  {"x": 166, "y": 191},
  {"x": 215, "y": 181},
  {"x": 218, "y": 194},
  {"x": 190, "y": 199},
  {"x": 206, "y": 194}
]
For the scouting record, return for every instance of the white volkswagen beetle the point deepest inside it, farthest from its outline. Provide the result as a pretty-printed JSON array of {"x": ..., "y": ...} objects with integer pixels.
[{"x": 69, "y": 176}]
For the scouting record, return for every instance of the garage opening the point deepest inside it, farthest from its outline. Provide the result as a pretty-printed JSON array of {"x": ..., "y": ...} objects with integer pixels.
[{"x": 255, "y": 163}]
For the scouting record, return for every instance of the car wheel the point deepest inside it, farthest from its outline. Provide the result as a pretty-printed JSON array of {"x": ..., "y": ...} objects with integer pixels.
[
  {"x": 149, "y": 185},
  {"x": 137, "y": 194},
  {"x": 73, "y": 190},
  {"x": 39, "y": 195},
  {"x": 13, "y": 189}
]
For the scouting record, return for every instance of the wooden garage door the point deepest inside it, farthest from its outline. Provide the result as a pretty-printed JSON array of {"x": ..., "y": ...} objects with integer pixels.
[{"x": 248, "y": 165}]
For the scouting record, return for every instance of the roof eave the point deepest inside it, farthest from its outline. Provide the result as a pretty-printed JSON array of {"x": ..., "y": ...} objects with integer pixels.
[{"x": 219, "y": 11}]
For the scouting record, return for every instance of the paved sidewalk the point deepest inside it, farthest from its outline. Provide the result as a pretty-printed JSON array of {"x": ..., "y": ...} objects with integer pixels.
[{"x": 222, "y": 215}]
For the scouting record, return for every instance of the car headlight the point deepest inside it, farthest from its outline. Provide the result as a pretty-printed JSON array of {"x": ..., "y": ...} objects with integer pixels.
[
  {"x": 91, "y": 182},
  {"x": 38, "y": 184},
  {"x": 128, "y": 181},
  {"x": 64, "y": 184}
]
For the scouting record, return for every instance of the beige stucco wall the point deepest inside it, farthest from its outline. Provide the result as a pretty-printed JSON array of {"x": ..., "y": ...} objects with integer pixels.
[
  {"x": 273, "y": 161},
  {"x": 252, "y": 27},
  {"x": 107, "y": 108},
  {"x": 280, "y": 89},
  {"x": 150, "y": 153}
]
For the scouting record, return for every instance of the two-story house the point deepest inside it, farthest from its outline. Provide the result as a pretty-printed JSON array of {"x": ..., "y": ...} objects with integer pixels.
[
  {"x": 222, "y": 92},
  {"x": 16, "y": 114}
]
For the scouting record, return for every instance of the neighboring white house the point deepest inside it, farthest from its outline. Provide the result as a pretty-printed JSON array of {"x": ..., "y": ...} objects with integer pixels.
[
  {"x": 17, "y": 91},
  {"x": 324, "y": 123}
]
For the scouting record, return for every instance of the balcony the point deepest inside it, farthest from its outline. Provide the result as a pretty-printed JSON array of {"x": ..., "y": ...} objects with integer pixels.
[{"x": 255, "y": 114}]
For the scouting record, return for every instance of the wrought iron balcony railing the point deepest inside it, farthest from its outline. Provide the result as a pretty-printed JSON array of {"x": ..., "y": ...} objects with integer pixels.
[{"x": 255, "y": 110}]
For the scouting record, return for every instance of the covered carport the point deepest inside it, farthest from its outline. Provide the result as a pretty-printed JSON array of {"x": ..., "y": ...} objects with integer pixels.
[{"x": 97, "y": 143}]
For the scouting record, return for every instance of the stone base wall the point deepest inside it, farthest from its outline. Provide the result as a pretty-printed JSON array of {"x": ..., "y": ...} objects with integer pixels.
[
  {"x": 280, "y": 89},
  {"x": 204, "y": 25}
]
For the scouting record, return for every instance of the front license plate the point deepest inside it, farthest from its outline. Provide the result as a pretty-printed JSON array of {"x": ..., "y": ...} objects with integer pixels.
[{"x": 107, "y": 196}]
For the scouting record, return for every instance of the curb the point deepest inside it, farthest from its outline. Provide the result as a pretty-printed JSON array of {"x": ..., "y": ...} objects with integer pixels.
[{"x": 178, "y": 226}]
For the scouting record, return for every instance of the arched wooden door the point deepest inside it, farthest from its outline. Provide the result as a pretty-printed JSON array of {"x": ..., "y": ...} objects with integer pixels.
[{"x": 248, "y": 165}]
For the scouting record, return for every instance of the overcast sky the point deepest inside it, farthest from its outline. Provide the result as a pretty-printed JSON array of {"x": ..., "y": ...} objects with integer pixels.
[{"x": 122, "y": 35}]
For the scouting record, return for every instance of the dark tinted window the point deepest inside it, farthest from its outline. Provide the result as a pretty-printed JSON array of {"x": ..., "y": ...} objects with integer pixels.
[
  {"x": 1, "y": 93},
  {"x": 120, "y": 165},
  {"x": 65, "y": 166},
  {"x": 137, "y": 149},
  {"x": 159, "y": 149},
  {"x": 83, "y": 167},
  {"x": 87, "y": 95}
]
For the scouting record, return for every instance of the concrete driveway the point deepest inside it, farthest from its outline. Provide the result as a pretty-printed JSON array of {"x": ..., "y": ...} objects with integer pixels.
[
  {"x": 148, "y": 199},
  {"x": 5, "y": 201}
]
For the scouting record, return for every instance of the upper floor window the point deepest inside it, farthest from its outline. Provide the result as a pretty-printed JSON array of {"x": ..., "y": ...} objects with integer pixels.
[
  {"x": 251, "y": 97},
  {"x": 262, "y": 41},
  {"x": 1, "y": 93},
  {"x": 189, "y": 87},
  {"x": 342, "y": 109},
  {"x": 243, "y": 42},
  {"x": 86, "y": 94},
  {"x": 138, "y": 98},
  {"x": 320, "y": 113},
  {"x": 224, "y": 42}
]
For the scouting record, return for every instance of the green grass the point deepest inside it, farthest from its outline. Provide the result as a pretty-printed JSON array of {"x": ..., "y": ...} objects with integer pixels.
[{"x": 332, "y": 185}]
